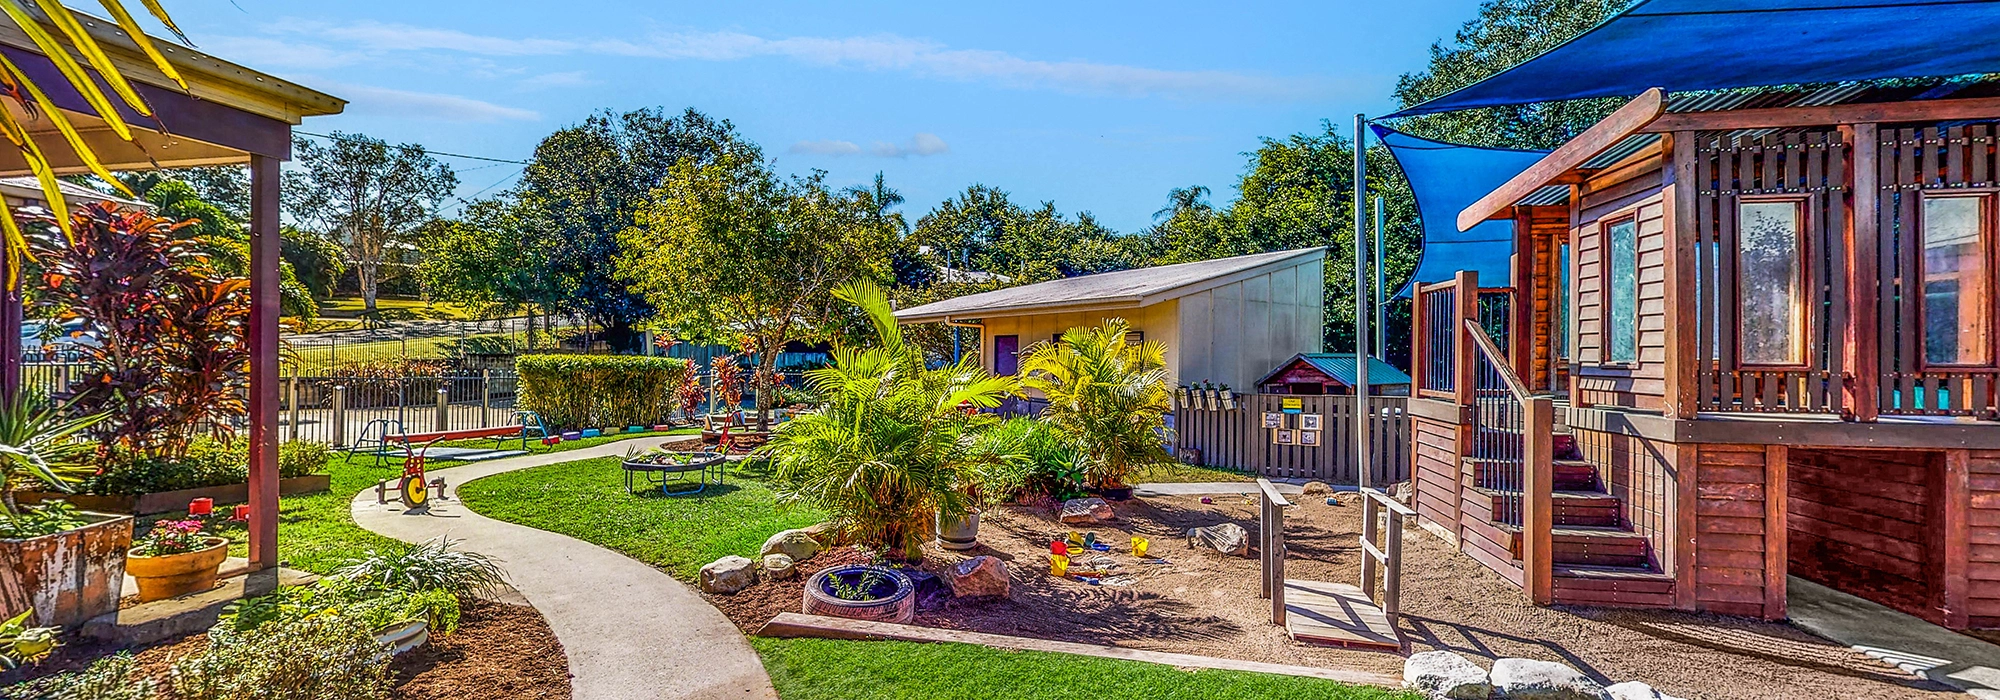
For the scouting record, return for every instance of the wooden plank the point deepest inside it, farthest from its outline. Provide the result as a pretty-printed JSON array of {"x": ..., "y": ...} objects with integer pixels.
[
  {"x": 1337, "y": 614},
  {"x": 1775, "y": 536},
  {"x": 1957, "y": 547},
  {"x": 1600, "y": 137},
  {"x": 1789, "y": 117}
]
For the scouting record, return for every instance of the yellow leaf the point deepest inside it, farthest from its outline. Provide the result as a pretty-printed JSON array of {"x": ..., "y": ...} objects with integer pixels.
[
  {"x": 71, "y": 71},
  {"x": 83, "y": 41},
  {"x": 32, "y": 153},
  {"x": 160, "y": 13},
  {"x": 138, "y": 34},
  {"x": 55, "y": 115}
]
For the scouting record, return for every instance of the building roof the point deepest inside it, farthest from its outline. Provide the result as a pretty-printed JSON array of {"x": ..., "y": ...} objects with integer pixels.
[
  {"x": 1108, "y": 290},
  {"x": 1340, "y": 367}
]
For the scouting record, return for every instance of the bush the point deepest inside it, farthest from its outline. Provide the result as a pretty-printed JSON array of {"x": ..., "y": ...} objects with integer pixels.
[
  {"x": 110, "y": 678},
  {"x": 573, "y": 392},
  {"x": 1052, "y": 468},
  {"x": 376, "y": 609},
  {"x": 302, "y": 458},
  {"x": 432, "y": 565},
  {"x": 321, "y": 657},
  {"x": 207, "y": 463}
]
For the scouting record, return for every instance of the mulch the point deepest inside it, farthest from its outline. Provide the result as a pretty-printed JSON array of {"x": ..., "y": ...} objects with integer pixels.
[{"x": 499, "y": 651}]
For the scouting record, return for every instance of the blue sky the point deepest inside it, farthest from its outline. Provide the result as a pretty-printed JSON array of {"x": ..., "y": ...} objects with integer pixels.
[{"x": 1099, "y": 107}]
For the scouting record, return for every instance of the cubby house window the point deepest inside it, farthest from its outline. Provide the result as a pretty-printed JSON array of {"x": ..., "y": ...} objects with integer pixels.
[
  {"x": 1621, "y": 313},
  {"x": 1957, "y": 279},
  {"x": 1771, "y": 282}
]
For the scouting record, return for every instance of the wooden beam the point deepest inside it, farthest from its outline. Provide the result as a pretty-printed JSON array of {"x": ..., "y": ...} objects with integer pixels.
[
  {"x": 1628, "y": 120},
  {"x": 1683, "y": 327},
  {"x": 1777, "y": 478},
  {"x": 1828, "y": 115},
  {"x": 1957, "y": 496},
  {"x": 1861, "y": 343}
]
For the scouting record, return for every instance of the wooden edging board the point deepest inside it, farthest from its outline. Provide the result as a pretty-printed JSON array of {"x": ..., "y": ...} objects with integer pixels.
[{"x": 789, "y": 625}]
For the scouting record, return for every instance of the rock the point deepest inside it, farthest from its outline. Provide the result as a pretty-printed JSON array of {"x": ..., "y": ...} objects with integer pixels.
[
  {"x": 1442, "y": 675},
  {"x": 728, "y": 575},
  {"x": 1227, "y": 538},
  {"x": 1317, "y": 488},
  {"x": 979, "y": 577},
  {"x": 779, "y": 566},
  {"x": 1634, "y": 690},
  {"x": 1086, "y": 510},
  {"x": 1528, "y": 679},
  {"x": 827, "y": 535},
  {"x": 792, "y": 543}
]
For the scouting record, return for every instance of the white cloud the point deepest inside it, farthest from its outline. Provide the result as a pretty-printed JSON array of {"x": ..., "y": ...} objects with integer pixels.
[
  {"x": 877, "y": 52},
  {"x": 275, "y": 53},
  {"x": 366, "y": 99},
  {"x": 556, "y": 80},
  {"x": 825, "y": 148}
]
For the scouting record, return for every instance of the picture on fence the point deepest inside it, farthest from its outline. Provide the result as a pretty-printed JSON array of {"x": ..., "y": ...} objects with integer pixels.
[
  {"x": 1273, "y": 421},
  {"x": 1309, "y": 438},
  {"x": 1310, "y": 421},
  {"x": 1284, "y": 437}
]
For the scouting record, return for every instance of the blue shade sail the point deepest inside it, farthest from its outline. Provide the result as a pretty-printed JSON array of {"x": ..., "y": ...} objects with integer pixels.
[
  {"x": 1685, "y": 45},
  {"x": 1447, "y": 178}
]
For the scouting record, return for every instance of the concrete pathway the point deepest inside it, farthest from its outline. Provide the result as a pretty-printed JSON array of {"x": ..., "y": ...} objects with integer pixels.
[
  {"x": 1916, "y": 646},
  {"x": 630, "y": 630},
  {"x": 1213, "y": 488}
]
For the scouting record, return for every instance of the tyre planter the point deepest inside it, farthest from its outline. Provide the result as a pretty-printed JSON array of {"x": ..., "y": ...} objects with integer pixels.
[
  {"x": 175, "y": 575},
  {"x": 68, "y": 577},
  {"x": 958, "y": 533},
  {"x": 892, "y": 599}
]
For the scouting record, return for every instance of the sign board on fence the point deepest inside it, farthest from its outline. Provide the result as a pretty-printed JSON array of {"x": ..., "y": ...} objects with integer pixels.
[
  {"x": 1284, "y": 436},
  {"x": 1273, "y": 421},
  {"x": 1311, "y": 422},
  {"x": 1309, "y": 438},
  {"x": 1293, "y": 405}
]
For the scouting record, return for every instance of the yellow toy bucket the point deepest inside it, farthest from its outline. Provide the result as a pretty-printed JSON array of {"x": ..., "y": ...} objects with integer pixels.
[{"x": 1058, "y": 565}]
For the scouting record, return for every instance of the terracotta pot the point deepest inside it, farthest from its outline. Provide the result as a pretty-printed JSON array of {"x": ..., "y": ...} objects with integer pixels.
[{"x": 175, "y": 575}]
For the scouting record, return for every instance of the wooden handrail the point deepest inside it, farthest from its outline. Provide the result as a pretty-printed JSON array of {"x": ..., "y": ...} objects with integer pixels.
[{"x": 1485, "y": 345}]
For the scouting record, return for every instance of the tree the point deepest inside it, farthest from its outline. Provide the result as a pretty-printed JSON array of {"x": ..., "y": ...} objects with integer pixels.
[
  {"x": 316, "y": 260},
  {"x": 982, "y": 229},
  {"x": 484, "y": 258},
  {"x": 586, "y": 185},
  {"x": 1506, "y": 33},
  {"x": 1106, "y": 396},
  {"x": 725, "y": 250},
  {"x": 225, "y": 186},
  {"x": 365, "y": 194}
]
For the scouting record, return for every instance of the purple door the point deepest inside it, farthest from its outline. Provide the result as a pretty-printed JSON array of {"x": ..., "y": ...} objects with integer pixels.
[{"x": 1006, "y": 355}]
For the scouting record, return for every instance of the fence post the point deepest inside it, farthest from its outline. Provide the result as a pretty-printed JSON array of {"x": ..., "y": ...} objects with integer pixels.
[
  {"x": 339, "y": 415},
  {"x": 1537, "y": 518},
  {"x": 485, "y": 398},
  {"x": 292, "y": 400},
  {"x": 1463, "y": 379},
  {"x": 444, "y": 404}
]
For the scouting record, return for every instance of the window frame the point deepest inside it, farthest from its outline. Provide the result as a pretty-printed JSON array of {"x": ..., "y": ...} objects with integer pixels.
[
  {"x": 1989, "y": 202},
  {"x": 1802, "y": 305},
  {"x": 1605, "y": 304}
]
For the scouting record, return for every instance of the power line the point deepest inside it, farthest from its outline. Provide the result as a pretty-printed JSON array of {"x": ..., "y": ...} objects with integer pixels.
[{"x": 346, "y": 139}]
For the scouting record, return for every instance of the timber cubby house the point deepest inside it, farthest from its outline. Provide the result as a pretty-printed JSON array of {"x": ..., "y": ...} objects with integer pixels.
[{"x": 1753, "y": 336}]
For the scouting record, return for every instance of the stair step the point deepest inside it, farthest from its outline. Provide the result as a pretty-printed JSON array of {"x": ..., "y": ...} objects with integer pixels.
[
  {"x": 1565, "y": 446},
  {"x": 1600, "y": 546},
  {"x": 1613, "y": 585},
  {"x": 1584, "y": 508},
  {"x": 1569, "y": 475}
]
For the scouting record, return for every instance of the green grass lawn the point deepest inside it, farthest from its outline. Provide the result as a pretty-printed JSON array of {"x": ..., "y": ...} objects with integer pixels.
[
  {"x": 1177, "y": 473},
  {"x": 826, "y": 669},
  {"x": 351, "y": 307},
  {"x": 587, "y": 500}
]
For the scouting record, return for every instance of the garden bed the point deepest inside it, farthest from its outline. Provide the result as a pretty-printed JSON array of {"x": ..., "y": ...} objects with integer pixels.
[
  {"x": 175, "y": 501},
  {"x": 1202, "y": 602}
]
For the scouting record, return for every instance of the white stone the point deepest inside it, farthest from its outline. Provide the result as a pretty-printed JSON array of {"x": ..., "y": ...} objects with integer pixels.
[
  {"x": 1634, "y": 690},
  {"x": 796, "y": 544},
  {"x": 1443, "y": 675},
  {"x": 1227, "y": 538},
  {"x": 979, "y": 577},
  {"x": 728, "y": 575},
  {"x": 1086, "y": 510},
  {"x": 779, "y": 566},
  {"x": 1528, "y": 679}
]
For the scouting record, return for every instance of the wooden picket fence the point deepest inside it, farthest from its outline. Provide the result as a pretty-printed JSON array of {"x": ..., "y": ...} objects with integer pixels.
[{"x": 1237, "y": 439}]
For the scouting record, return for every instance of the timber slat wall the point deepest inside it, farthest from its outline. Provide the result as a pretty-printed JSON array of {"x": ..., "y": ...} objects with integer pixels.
[
  {"x": 1640, "y": 384},
  {"x": 1866, "y": 522},
  {"x": 1730, "y": 519},
  {"x": 1236, "y": 439},
  {"x": 1914, "y": 161},
  {"x": 1982, "y": 540}
]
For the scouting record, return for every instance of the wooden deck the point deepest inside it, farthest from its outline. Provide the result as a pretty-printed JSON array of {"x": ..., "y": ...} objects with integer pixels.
[{"x": 1337, "y": 614}]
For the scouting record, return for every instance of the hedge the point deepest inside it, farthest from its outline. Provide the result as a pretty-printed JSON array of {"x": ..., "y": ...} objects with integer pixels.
[{"x": 574, "y": 392}]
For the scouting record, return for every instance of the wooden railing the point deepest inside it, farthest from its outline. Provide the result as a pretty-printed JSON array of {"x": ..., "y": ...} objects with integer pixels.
[
  {"x": 1942, "y": 392},
  {"x": 1436, "y": 310},
  {"x": 1271, "y": 546},
  {"x": 1382, "y": 549},
  {"x": 1512, "y": 452},
  {"x": 1771, "y": 391}
]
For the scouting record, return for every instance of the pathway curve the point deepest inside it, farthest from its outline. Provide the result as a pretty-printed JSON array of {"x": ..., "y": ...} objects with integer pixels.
[{"x": 630, "y": 630}]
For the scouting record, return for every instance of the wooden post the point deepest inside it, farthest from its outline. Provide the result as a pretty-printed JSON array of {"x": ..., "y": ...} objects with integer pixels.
[
  {"x": 263, "y": 345},
  {"x": 339, "y": 416},
  {"x": 1420, "y": 347},
  {"x": 443, "y": 421},
  {"x": 1370, "y": 535},
  {"x": 1683, "y": 314},
  {"x": 1392, "y": 586},
  {"x": 1468, "y": 309},
  {"x": 1537, "y": 517},
  {"x": 1863, "y": 344},
  {"x": 486, "y": 398},
  {"x": 1521, "y": 303},
  {"x": 292, "y": 405},
  {"x": 1957, "y": 496},
  {"x": 1776, "y": 538}
]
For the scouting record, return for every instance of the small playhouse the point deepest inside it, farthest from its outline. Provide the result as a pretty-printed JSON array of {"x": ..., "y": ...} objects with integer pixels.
[{"x": 1317, "y": 373}]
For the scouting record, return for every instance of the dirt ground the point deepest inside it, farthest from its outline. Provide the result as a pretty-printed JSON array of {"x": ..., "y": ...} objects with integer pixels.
[
  {"x": 499, "y": 651},
  {"x": 1202, "y": 602}
]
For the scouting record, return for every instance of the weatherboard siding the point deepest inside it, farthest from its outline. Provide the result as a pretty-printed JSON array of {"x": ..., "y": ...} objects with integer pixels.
[{"x": 1159, "y": 322}]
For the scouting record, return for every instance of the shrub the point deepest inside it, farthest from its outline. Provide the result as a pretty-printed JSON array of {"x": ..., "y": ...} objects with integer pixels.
[
  {"x": 110, "y": 678},
  {"x": 1052, "y": 468},
  {"x": 302, "y": 458},
  {"x": 594, "y": 391},
  {"x": 1106, "y": 396},
  {"x": 432, "y": 565},
  {"x": 320, "y": 657},
  {"x": 206, "y": 463},
  {"x": 376, "y": 609}
]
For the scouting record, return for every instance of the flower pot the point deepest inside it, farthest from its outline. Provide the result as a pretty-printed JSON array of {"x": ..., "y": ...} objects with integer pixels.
[
  {"x": 891, "y": 599},
  {"x": 175, "y": 575},
  {"x": 68, "y": 577},
  {"x": 958, "y": 533}
]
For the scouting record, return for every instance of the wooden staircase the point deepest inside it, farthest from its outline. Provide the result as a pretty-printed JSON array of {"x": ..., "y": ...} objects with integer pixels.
[{"x": 1597, "y": 557}]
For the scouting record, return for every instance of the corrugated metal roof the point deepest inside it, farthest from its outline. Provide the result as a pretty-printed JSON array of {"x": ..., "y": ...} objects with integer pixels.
[
  {"x": 1546, "y": 196},
  {"x": 1340, "y": 367},
  {"x": 1103, "y": 289}
]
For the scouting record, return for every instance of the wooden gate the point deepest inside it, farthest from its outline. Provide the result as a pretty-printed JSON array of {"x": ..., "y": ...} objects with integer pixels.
[{"x": 1238, "y": 439}]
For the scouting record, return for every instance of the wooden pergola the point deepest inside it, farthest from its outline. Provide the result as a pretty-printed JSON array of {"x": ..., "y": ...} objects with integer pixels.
[{"x": 229, "y": 115}]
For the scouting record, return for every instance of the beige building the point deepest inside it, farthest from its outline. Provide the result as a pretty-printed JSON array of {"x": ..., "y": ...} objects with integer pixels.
[{"x": 1228, "y": 321}]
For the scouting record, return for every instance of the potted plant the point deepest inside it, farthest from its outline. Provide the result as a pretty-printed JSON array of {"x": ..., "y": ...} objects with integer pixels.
[
  {"x": 1181, "y": 397},
  {"x": 1108, "y": 398},
  {"x": 1228, "y": 398},
  {"x": 174, "y": 559},
  {"x": 65, "y": 564},
  {"x": 862, "y": 592}
]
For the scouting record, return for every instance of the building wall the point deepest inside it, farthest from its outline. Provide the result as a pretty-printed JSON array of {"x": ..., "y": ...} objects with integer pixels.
[
  {"x": 1733, "y": 552},
  {"x": 1159, "y": 322},
  {"x": 1982, "y": 539},
  {"x": 1642, "y": 384},
  {"x": 1235, "y": 333},
  {"x": 1866, "y": 522}
]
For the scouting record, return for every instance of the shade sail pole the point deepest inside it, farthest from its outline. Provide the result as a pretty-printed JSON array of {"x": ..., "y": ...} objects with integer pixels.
[{"x": 1363, "y": 465}]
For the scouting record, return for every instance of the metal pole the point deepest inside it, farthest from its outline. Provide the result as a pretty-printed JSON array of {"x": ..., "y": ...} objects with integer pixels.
[
  {"x": 1362, "y": 464},
  {"x": 1381, "y": 305},
  {"x": 339, "y": 416}
]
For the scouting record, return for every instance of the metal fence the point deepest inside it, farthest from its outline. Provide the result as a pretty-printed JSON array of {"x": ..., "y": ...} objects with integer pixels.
[{"x": 1242, "y": 438}]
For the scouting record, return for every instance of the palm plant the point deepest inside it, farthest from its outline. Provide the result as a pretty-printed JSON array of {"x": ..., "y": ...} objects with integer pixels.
[
  {"x": 893, "y": 444},
  {"x": 38, "y": 443},
  {"x": 1108, "y": 397}
]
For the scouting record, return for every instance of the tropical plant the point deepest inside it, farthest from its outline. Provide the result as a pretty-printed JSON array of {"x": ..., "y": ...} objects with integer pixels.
[
  {"x": 1106, "y": 396},
  {"x": 689, "y": 394},
  {"x": 432, "y": 565},
  {"x": 206, "y": 462},
  {"x": 1053, "y": 466},
  {"x": 726, "y": 378},
  {"x": 108, "y": 678},
  {"x": 39, "y": 444},
  {"x": 171, "y": 356},
  {"x": 893, "y": 444},
  {"x": 21, "y": 644}
]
